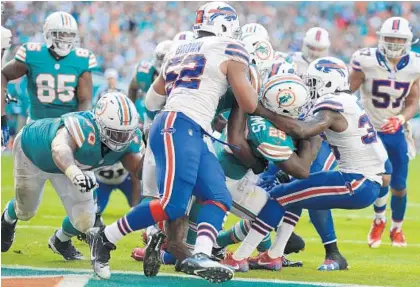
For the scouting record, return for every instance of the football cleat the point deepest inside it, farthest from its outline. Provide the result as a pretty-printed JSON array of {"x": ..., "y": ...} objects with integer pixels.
[
  {"x": 65, "y": 249},
  {"x": 235, "y": 265},
  {"x": 290, "y": 263},
  {"x": 152, "y": 262},
  {"x": 100, "y": 251},
  {"x": 397, "y": 237},
  {"x": 295, "y": 244},
  {"x": 7, "y": 233},
  {"x": 375, "y": 233},
  {"x": 138, "y": 254},
  {"x": 98, "y": 223},
  {"x": 263, "y": 261},
  {"x": 201, "y": 265},
  {"x": 218, "y": 254},
  {"x": 334, "y": 261},
  {"x": 144, "y": 238}
]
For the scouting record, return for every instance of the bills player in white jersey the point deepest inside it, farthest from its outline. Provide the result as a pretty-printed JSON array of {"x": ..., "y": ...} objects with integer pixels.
[
  {"x": 316, "y": 44},
  {"x": 194, "y": 77},
  {"x": 346, "y": 127},
  {"x": 388, "y": 79}
]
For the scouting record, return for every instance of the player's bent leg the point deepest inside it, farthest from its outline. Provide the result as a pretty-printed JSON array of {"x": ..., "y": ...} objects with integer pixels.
[{"x": 103, "y": 192}]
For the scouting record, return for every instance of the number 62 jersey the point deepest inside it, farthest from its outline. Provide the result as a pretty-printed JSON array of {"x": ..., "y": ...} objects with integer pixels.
[
  {"x": 52, "y": 83},
  {"x": 385, "y": 88}
]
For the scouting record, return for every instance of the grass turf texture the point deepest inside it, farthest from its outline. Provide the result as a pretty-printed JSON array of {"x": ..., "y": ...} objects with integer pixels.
[{"x": 388, "y": 266}]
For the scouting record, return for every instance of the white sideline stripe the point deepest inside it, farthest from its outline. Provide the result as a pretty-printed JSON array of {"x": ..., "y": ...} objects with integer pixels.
[
  {"x": 183, "y": 276},
  {"x": 74, "y": 280},
  {"x": 309, "y": 239}
]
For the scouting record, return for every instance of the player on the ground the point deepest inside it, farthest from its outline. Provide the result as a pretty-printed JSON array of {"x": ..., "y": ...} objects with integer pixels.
[
  {"x": 388, "y": 78},
  {"x": 64, "y": 150},
  {"x": 347, "y": 128},
  {"x": 59, "y": 82},
  {"x": 195, "y": 76}
]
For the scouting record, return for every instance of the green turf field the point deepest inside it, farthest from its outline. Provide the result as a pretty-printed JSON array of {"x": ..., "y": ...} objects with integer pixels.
[{"x": 385, "y": 266}]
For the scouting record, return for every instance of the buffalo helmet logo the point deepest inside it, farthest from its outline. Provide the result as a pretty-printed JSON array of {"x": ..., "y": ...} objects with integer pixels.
[{"x": 327, "y": 66}]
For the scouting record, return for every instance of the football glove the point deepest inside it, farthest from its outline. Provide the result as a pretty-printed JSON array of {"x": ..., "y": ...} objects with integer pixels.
[
  {"x": 83, "y": 181},
  {"x": 393, "y": 124}
]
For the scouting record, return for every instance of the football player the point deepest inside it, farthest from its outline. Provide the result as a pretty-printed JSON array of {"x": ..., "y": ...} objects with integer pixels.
[
  {"x": 388, "y": 79},
  {"x": 195, "y": 76},
  {"x": 111, "y": 75},
  {"x": 346, "y": 127},
  {"x": 64, "y": 150},
  {"x": 59, "y": 82}
]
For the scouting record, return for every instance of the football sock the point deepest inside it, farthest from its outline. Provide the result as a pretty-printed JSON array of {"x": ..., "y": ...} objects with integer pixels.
[
  {"x": 63, "y": 237},
  {"x": 324, "y": 224},
  {"x": 68, "y": 229},
  {"x": 10, "y": 214},
  {"x": 283, "y": 234},
  {"x": 379, "y": 206},
  {"x": 398, "y": 206}
]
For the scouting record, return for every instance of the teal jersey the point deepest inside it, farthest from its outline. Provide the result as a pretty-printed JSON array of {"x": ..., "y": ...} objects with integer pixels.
[
  {"x": 225, "y": 102},
  {"x": 266, "y": 142},
  {"x": 37, "y": 137},
  {"x": 18, "y": 90},
  {"x": 52, "y": 83},
  {"x": 146, "y": 73}
]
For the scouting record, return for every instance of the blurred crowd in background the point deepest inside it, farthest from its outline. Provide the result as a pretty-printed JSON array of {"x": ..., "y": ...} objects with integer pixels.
[{"x": 122, "y": 33}]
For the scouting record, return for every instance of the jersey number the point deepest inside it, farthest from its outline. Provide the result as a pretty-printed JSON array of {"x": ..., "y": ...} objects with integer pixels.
[
  {"x": 110, "y": 174},
  {"x": 364, "y": 122},
  {"x": 383, "y": 99},
  {"x": 48, "y": 87},
  {"x": 188, "y": 77}
]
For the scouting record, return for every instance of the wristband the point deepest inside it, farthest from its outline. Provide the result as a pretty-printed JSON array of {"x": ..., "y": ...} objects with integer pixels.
[{"x": 72, "y": 171}]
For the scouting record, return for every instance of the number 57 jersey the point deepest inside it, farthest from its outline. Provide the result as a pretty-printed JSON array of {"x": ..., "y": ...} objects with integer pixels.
[
  {"x": 357, "y": 149},
  {"x": 385, "y": 87},
  {"x": 194, "y": 81},
  {"x": 52, "y": 83}
]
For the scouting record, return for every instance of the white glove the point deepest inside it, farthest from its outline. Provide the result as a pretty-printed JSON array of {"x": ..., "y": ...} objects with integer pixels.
[
  {"x": 83, "y": 181},
  {"x": 6, "y": 38}
]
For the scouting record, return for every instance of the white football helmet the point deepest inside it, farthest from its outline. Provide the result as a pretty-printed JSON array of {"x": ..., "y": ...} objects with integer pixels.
[
  {"x": 281, "y": 67},
  {"x": 316, "y": 44},
  {"x": 183, "y": 36},
  {"x": 395, "y": 27},
  {"x": 286, "y": 95},
  {"x": 160, "y": 52},
  {"x": 254, "y": 29},
  {"x": 60, "y": 33},
  {"x": 218, "y": 18},
  {"x": 260, "y": 50},
  {"x": 326, "y": 76},
  {"x": 117, "y": 119}
]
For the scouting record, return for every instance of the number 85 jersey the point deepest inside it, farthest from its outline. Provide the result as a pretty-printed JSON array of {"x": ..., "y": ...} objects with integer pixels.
[
  {"x": 385, "y": 87},
  {"x": 194, "y": 82},
  {"x": 52, "y": 83}
]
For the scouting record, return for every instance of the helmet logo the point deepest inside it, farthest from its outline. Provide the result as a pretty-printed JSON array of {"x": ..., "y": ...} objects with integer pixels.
[
  {"x": 227, "y": 12},
  {"x": 327, "y": 66},
  {"x": 285, "y": 98},
  {"x": 396, "y": 25},
  {"x": 318, "y": 35},
  {"x": 101, "y": 107},
  {"x": 262, "y": 50}
]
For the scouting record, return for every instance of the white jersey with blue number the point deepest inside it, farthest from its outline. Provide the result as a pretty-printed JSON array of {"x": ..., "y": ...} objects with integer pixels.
[
  {"x": 112, "y": 175},
  {"x": 358, "y": 149},
  {"x": 193, "y": 80},
  {"x": 385, "y": 88}
]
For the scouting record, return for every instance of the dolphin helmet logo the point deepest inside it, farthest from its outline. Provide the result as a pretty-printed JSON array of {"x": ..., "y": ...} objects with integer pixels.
[
  {"x": 327, "y": 66},
  {"x": 227, "y": 12}
]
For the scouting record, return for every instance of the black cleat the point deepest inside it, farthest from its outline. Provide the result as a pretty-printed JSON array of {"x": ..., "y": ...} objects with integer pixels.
[
  {"x": 152, "y": 262},
  {"x": 334, "y": 261},
  {"x": 218, "y": 254},
  {"x": 65, "y": 249},
  {"x": 178, "y": 266},
  {"x": 201, "y": 265},
  {"x": 295, "y": 244},
  {"x": 98, "y": 223},
  {"x": 288, "y": 263},
  {"x": 100, "y": 251},
  {"x": 7, "y": 233}
]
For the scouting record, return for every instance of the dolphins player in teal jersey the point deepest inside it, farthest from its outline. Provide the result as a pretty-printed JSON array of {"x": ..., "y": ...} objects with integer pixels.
[
  {"x": 59, "y": 75},
  {"x": 65, "y": 150}
]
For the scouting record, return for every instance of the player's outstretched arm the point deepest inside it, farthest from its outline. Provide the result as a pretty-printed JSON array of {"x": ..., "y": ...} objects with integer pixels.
[
  {"x": 156, "y": 95},
  {"x": 237, "y": 74},
  {"x": 84, "y": 92},
  {"x": 357, "y": 78},
  {"x": 133, "y": 162},
  {"x": 11, "y": 71},
  {"x": 236, "y": 136},
  {"x": 132, "y": 90}
]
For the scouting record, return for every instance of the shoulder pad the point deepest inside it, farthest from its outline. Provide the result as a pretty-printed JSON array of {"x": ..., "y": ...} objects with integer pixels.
[
  {"x": 362, "y": 58},
  {"x": 235, "y": 50},
  {"x": 88, "y": 55},
  {"x": 81, "y": 129},
  {"x": 328, "y": 102},
  {"x": 21, "y": 54}
]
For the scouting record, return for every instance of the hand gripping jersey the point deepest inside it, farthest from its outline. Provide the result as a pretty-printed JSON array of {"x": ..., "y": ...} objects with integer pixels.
[
  {"x": 52, "y": 83},
  {"x": 193, "y": 80},
  {"x": 266, "y": 141},
  {"x": 112, "y": 175},
  {"x": 385, "y": 88},
  {"x": 37, "y": 137},
  {"x": 358, "y": 149}
]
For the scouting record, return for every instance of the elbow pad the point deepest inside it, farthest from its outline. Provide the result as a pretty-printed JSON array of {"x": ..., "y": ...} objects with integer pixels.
[{"x": 154, "y": 101}]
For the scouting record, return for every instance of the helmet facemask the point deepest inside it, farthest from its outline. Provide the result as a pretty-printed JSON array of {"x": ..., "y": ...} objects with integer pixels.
[
  {"x": 116, "y": 140},
  {"x": 61, "y": 41},
  {"x": 311, "y": 53},
  {"x": 394, "y": 47}
]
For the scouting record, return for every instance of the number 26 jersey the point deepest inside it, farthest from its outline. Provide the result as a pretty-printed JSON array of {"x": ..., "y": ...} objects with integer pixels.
[{"x": 194, "y": 82}]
